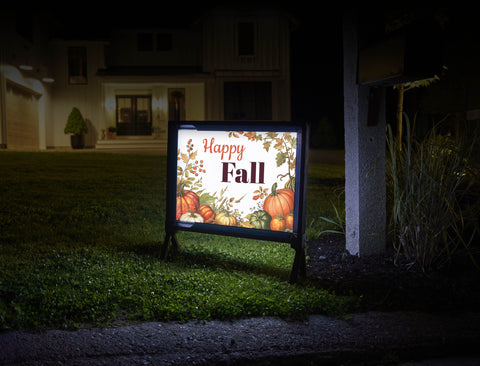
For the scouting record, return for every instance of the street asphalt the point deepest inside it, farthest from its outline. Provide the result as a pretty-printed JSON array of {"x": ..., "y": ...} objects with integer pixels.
[{"x": 373, "y": 338}]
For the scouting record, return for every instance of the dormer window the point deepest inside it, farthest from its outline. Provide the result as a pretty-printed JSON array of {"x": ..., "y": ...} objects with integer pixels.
[
  {"x": 164, "y": 42},
  {"x": 77, "y": 65},
  {"x": 148, "y": 42},
  {"x": 145, "y": 42},
  {"x": 246, "y": 38}
]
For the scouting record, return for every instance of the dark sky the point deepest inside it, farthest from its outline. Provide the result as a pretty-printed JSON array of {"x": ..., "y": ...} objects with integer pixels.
[{"x": 317, "y": 66}]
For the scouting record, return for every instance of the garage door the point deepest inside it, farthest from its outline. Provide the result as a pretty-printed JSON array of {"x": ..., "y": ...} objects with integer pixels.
[{"x": 22, "y": 117}]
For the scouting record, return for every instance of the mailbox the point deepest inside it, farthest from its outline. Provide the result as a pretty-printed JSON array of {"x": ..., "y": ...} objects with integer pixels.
[{"x": 412, "y": 53}]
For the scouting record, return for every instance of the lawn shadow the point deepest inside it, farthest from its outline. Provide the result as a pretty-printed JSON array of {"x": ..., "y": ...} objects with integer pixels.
[{"x": 214, "y": 260}]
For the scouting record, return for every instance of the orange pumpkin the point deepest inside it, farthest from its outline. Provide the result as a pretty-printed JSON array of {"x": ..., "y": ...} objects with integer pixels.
[
  {"x": 289, "y": 221},
  {"x": 187, "y": 201},
  {"x": 277, "y": 223},
  {"x": 225, "y": 218},
  {"x": 207, "y": 213},
  {"x": 279, "y": 202}
]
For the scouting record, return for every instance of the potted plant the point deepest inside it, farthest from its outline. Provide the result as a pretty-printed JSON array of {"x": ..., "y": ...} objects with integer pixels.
[
  {"x": 77, "y": 128},
  {"x": 112, "y": 132}
]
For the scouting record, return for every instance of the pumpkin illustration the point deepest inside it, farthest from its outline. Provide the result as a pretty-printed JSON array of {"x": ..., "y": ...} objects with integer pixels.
[
  {"x": 207, "y": 213},
  {"x": 186, "y": 200},
  {"x": 191, "y": 217},
  {"x": 277, "y": 223},
  {"x": 289, "y": 221},
  {"x": 225, "y": 218},
  {"x": 260, "y": 219},
  {"x": 279, "y": 202}
]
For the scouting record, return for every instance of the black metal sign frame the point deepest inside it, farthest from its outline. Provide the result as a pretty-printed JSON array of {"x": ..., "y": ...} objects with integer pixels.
[{"x": 296, "y": 236}]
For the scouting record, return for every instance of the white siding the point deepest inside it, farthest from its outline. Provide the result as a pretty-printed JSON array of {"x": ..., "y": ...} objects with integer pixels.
[
  {"x": 86, "y": 97},
  {"x": 186, "y": 49}
]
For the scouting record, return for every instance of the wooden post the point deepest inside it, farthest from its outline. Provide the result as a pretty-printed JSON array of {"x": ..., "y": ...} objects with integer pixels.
[{"x": 365, "y": 193}]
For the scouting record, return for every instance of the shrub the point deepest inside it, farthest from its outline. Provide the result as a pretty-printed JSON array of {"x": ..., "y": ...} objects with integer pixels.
[
  {"x": 75, "y": 123},
  {"x": 427, "y": 182}
]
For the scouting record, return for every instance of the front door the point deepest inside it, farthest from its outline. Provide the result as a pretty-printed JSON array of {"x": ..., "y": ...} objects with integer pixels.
[{"x": 134, "y": 115}]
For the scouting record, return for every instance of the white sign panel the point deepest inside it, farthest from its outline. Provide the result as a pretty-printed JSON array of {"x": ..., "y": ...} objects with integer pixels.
[{"x": 237, "y": 178}]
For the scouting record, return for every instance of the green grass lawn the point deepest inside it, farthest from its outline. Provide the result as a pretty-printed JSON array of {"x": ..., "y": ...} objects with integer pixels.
[{"x": 80, "y": 235}]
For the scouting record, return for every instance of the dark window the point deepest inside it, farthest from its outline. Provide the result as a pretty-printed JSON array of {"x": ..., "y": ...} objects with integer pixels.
[
  {"x": 246, "y": 39},
  {"x": 77, "y": 65},
  {"x": 248, "y": 101},
  {"x": 164, "y": 42},
  {"x": 145, "y": 41},
  {"x": 176, "y": 104}
]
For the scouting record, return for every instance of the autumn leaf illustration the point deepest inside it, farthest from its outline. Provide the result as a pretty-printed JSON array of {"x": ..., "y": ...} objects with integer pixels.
[
  {"x": 252, "y": 135},
  {"x": 281, "y": 158},
  {"x": 292, "y": 163},
  {"x": 272, "y": 134},
  {"x": 279, "y": 144},
  {"x": 260, "y": 193},
  {"x": 266, "y": 145}
]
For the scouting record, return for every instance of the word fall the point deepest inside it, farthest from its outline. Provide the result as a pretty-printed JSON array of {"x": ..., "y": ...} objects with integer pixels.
[{"x": 242, "y": 175}]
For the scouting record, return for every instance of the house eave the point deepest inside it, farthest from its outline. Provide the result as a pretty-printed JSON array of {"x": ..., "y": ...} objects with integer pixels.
[{"x": 150, "y": 71}]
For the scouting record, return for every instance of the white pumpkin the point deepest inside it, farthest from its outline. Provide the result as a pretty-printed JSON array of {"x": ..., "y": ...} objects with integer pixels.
[{"x": 191, "y": 217}]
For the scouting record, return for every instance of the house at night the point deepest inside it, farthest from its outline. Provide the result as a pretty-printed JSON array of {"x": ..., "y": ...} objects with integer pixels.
[{"x": 229, "y": 64}]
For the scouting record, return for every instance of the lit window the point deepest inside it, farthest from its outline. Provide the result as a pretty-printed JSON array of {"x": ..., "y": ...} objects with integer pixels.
[{"x": 134, "y": 115}]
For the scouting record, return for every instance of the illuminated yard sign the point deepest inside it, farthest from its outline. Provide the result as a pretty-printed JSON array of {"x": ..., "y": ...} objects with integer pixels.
[{"x": 245, "y": 179}]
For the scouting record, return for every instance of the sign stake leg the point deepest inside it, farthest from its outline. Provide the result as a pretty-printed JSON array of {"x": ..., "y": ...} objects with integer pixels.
[
  {"x": 299, "y": 264},
  {"x": 166, "y": 244}
]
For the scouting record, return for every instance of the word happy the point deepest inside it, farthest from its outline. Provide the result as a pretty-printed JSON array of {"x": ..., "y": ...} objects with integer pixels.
[{"x": 225, "y": 150}]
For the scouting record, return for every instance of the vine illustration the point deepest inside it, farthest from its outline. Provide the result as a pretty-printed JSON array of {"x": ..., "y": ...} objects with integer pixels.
[
  {"x": 275, "y": 212},
  {"x": 285, "y": 144}
]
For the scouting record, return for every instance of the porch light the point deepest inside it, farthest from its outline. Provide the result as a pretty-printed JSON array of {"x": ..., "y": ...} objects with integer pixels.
[
  {"x": 26, "y": 67},
  {"x": 110, "y": 103}
]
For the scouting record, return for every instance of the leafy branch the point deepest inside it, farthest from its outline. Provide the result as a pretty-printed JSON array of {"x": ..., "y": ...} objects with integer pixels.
[{"x": 187, "y": 175}]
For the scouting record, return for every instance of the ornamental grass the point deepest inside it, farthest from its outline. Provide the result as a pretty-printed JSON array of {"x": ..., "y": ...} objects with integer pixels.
[{"x": 433, "y": 196}]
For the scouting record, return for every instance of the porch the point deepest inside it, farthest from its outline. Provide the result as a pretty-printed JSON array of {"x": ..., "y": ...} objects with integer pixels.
[{"x": 147, "y": 143}]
